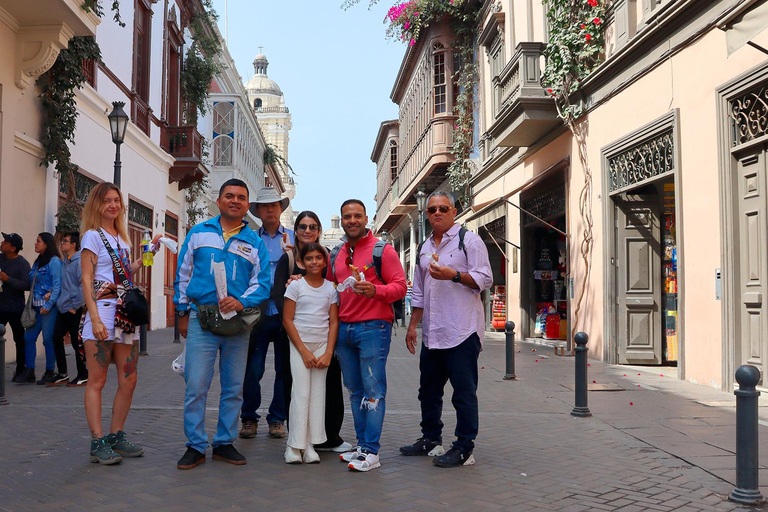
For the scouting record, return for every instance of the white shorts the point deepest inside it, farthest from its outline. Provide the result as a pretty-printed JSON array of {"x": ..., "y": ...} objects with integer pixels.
[{"x": 106, "y": 309}]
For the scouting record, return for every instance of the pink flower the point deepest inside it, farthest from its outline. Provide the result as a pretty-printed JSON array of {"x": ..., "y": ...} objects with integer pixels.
[
  {"x": 583, "y": 26},
  {"x": 588, "y": 37},
  {"x": 549, "y": 91},
  {"x": 413, "y": 42},
  {"x": 597, "y": 21},
  {"x": 408, "y": 25},
  {"x": 592, "y": 3}
]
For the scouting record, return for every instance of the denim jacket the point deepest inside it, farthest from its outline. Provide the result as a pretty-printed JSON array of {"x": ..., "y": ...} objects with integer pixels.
[{"x": 48, "y": 280}]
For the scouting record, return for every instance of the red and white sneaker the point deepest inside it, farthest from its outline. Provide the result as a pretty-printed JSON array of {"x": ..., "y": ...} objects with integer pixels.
[{"x": 365, "y": 462}]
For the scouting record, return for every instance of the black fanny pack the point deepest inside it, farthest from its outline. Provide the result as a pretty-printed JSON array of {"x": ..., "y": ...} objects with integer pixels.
[{"x": 211, "y": 320}]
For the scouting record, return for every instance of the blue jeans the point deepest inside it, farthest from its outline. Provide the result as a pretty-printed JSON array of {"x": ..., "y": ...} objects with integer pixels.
[
  {"x": 202, "y": 348},
  {"x": 46, "y": 324},
  {"x": 459, "y": 365},
  {"x": 269, "y": 330},
  {"x": 362, "y": 349}
]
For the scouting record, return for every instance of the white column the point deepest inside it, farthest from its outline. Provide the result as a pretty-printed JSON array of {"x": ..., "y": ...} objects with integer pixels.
[
  {"x": 402, "y": 251},
  {"x": 414, "y": 245}
]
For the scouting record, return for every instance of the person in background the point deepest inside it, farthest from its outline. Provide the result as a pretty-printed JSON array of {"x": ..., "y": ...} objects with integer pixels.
[
  {"x": 408, "y": 298},
  {"x": 46, "y": 275},
  {"x": 267, "y": 206},
  {"x": 70, "y": 305},
  {"x": 108, "y": 335},
  {"x": 307, "y": 229},
  {"x": 14, "y": 279}
]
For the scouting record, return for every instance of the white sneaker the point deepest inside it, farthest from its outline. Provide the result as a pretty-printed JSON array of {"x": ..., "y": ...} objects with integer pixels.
[
  {"x": 342, "y": 448},
  {"x": 310, "y": 455},
  {"x": 292, "y": 455},
  {"x": 365, "y": 462},
  {"x": 352, "y": 454}
]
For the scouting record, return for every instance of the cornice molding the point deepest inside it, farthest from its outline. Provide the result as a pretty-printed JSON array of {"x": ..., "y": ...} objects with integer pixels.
[{"x": 27, "y": 144}]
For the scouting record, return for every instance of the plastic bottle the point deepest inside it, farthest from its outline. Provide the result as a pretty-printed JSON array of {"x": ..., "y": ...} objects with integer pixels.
[{"x": 147, "y": 256}]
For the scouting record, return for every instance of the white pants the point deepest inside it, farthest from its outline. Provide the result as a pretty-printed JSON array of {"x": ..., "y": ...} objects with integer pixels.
[{"x": 307, "y": 414}]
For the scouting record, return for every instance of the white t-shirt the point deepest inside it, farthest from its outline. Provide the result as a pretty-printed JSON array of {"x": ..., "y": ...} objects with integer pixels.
[
  {"x": 312, "y": 306},
  {"x": 104, "y": 267}
]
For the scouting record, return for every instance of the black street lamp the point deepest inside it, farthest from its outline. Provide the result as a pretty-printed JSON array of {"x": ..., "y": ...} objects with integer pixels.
[
  {"x": 118, "y": 124},
  {"x": 384, "y": 235},
  {"x": 421, "y": 204}
]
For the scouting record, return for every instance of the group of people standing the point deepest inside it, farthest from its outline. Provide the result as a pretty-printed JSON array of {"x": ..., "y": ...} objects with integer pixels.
[
  {"x": 54, "y": 306},
  {"x": 328, "y": 317}
]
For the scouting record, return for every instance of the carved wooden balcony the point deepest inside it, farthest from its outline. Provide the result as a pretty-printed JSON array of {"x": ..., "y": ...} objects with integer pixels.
[
  {"x": 185, "y": 144},
  {"x": 523, "y": 113}
]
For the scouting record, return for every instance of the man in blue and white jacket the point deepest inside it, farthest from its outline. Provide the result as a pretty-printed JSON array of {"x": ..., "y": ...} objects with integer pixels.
[{"x": 229, "y": 239}]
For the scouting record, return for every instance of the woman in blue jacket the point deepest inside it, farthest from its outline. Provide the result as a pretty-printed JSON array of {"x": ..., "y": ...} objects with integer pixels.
[{"x": 46, "y": 273}]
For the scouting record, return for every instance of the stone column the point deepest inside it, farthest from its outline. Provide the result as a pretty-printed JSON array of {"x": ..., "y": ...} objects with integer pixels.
[{"x": 414, "y": 245}]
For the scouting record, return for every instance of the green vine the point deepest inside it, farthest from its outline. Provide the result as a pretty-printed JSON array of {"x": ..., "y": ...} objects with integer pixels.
[
  {"x": 96, "y": 7},
  {"x": 194, "y": 194},
  {"x": 57, "y": 96},
  {"x": 200, "y": 62},
  {"x": 407, "y": 21},
  {"x": 273, "y": 157},
  {"x": 574, "y": 50}
]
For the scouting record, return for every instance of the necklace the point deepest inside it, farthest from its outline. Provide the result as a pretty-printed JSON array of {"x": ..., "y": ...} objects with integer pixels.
[{"x": 117, "y": 238}]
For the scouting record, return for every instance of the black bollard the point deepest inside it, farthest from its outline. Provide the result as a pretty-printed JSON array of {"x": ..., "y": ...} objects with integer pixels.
[
  {"x": 3, "y": 401},
  {"x": 143, "y": 340},
  {"x": 747, "y": 491},
  {"x": 176, "y": 338},
  {"x": 509, "y": 331},
  {"x": 581, "y": 410}
]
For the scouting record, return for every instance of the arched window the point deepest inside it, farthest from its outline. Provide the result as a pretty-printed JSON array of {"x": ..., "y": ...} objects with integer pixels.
[
  {"x": 222, "y": 151},
  {"x": 257, "y": 103}
]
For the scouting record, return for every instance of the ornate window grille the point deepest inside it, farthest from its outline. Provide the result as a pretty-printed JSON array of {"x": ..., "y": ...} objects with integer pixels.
[
  {"x": 650, "y": 158},
  {"x": 139, "y": 214},
  {"x": 749, "y": 116}
]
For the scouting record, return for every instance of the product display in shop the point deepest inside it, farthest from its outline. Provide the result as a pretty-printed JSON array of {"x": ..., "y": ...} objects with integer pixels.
[
  {"x": 549, "y": 286},
  {"x": 669, "y": 275},
  {"x": 499, "y": 307}
]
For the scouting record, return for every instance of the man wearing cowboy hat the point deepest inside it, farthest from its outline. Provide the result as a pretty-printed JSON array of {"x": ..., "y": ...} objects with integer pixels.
[{"x": 267, "y": 207}]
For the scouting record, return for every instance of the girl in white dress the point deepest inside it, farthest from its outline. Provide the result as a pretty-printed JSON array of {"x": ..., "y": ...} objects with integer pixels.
[{"x": 311, "y": 320}]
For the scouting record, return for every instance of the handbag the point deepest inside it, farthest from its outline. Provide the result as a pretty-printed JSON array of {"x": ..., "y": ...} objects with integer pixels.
[
  {"x": 134, "y": 302},
  {"x": 28, "y": 316},
  {"x": 211, "y": 320}
]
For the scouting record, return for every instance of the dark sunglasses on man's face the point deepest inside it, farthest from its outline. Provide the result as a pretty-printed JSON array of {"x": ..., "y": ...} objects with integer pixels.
[
  {"x": 443, "y": 209},
  {"x": 305, "y": 227}
]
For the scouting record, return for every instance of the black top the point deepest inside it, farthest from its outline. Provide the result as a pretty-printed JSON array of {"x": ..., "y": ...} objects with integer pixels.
[
  {"x": 12, "y": 294},
  {"x": 281, "y": 278}
]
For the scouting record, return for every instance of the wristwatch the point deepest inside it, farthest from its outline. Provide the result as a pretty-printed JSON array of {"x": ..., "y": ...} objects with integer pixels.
[
  {"x": 182, "y": 313},
  {"x": 457, "y": 277}
]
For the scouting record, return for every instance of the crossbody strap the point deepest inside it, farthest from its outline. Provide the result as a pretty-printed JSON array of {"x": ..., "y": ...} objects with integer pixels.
[{"x": 116, "y": 262}]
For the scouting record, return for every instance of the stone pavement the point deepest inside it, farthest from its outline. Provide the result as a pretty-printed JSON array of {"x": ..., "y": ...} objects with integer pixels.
[{"x": 658, "y": 444}]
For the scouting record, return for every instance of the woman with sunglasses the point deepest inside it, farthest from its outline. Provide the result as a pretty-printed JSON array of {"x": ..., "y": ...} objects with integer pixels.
[{"x": 307, "y": 229}]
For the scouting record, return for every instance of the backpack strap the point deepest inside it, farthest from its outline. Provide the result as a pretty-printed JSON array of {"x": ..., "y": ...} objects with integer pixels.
[
  {"x": 462, "y": 232},
  {"x": 378, "y": 251},
  {"x": 334, "y": 254},
  {"x": 291, "y": 261}
]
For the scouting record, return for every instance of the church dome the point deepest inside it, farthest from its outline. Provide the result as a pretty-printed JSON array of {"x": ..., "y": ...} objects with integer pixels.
[
  {"x": 332, "y": 237},
  {"x": 260, "y": 83}
]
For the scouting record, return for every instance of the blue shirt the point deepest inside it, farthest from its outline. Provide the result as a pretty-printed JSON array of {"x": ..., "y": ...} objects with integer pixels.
[{"x": 275, "y": 253}]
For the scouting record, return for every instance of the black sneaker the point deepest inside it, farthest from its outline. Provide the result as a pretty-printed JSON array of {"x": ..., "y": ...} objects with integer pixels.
[
  {"x": 28, "y": 377},
  {"x": 424, "y": 446},
  {"x": 18, "y": 377},
  {"x": 46, "y": 378},
  {"x": 191, "y": 459},
  {"x": 228, "y": 454},
  {"x": 77, "y": 382},
  {"x": 58, "y": 380},
  {"x": 454, "y": 458}
]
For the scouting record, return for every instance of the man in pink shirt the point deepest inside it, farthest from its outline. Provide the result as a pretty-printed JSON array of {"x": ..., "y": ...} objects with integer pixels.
[
  {"x": 365, "y": 330},
  {"x": 446, "y": 300}
]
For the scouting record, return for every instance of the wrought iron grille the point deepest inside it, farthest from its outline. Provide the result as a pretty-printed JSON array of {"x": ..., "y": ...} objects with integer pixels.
[
  {"x": 171, "y": 226},
  {"x": 546, "y": 205},
  {"x": 139, "y": 214},
  {"x": 646, "y": 160},
  {"x": 83, "y": 186},
  {"x": 749, "y": 116}
]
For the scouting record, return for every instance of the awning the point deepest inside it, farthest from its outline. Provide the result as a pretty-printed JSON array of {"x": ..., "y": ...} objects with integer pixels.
[
  {"x": 486, "y": 214},
  {"x": 746, "y": 25}
]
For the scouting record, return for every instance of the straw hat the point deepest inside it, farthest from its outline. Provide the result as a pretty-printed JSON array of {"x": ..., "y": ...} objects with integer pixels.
[{"x": 269, "y": 195}]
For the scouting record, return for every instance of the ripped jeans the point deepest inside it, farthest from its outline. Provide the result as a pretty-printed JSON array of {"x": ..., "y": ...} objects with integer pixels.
[{"x": 362, "y": 349}]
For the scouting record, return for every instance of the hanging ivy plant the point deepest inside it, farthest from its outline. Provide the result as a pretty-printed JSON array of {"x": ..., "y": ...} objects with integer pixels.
[
  {"x": 96, "y": 7},
  {"x": 194, "y": 194},
  {"x": 200, "y": 62},
  {"x": 57, "y": 96},
  {"x": 407, "y": 21}
]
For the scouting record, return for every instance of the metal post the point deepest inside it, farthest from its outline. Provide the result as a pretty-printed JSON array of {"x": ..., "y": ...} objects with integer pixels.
[
  {"x": 581, "y": 410},
  {"x": 143, "y": 340},
  {"x": 747, "y": 491},
  {"x": 421, "y": 228},
  {"x": 118, "y": 166},
  {"x": 509, "y": 329},
  {"x": 176, "y": 335},
  {"x": 3, "y": 401}
]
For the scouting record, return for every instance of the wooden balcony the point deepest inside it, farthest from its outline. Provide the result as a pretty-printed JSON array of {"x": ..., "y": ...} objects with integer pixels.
[
  {"x": 523, "y": 113},
  {"x": 140, "y": 113},
  {"x": 185, "y": 144}
]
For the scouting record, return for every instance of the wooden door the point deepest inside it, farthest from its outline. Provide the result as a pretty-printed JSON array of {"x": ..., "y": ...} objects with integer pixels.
[
  {"x": 638, "y": 279},
  {"x": 752, "y": 260}
]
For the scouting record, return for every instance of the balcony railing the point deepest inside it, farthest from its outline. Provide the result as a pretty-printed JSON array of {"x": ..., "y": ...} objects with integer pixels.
[
  {"x": 140, "y": 113},
  {"x": 271, "y": 110}
]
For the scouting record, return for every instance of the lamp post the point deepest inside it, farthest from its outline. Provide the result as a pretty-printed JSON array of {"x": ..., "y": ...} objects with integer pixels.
[
  {"x": 421, "y": 204},
  {"x": 384, "y": 235},
  {"x": 118, "y": 124}
]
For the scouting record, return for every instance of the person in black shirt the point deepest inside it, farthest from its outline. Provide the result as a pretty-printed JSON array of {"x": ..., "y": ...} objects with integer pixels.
[
  {"x": 307, "y": 229},
  {"x": 14, "y": 277}
]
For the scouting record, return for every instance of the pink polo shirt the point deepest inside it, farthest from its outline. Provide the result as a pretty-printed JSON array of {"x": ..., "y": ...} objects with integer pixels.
[{"x": 452, "y": 311}]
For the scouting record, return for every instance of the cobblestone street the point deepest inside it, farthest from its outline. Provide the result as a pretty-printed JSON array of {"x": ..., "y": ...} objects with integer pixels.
[{"x": 654, "y": 445}]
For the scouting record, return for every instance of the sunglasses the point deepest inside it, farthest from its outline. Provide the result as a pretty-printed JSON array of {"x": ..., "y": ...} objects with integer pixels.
[
  {"x": 305, "y": 227},
  {"x": 351, "y": 252},
  {"x": 443, "y": 209}
]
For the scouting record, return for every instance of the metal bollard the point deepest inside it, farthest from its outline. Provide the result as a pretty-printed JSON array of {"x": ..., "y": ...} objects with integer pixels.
[
  {"x": 176, "y": 335},
  {"x": 747, "y": 491},
  {"x": 581, "y": 410},
  {"x": 143, "y": 340},
  {"x": 509, "y": 332},
  {"x": 3, "y": 401}
]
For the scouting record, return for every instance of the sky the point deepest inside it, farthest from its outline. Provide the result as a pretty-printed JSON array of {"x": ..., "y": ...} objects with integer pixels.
[{"x": 336, "y": 69}]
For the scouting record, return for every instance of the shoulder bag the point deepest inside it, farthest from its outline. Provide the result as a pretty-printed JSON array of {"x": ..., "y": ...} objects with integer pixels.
[
  {"x": 134, "y": 302},
  {"x": 28, "y": 316}
]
